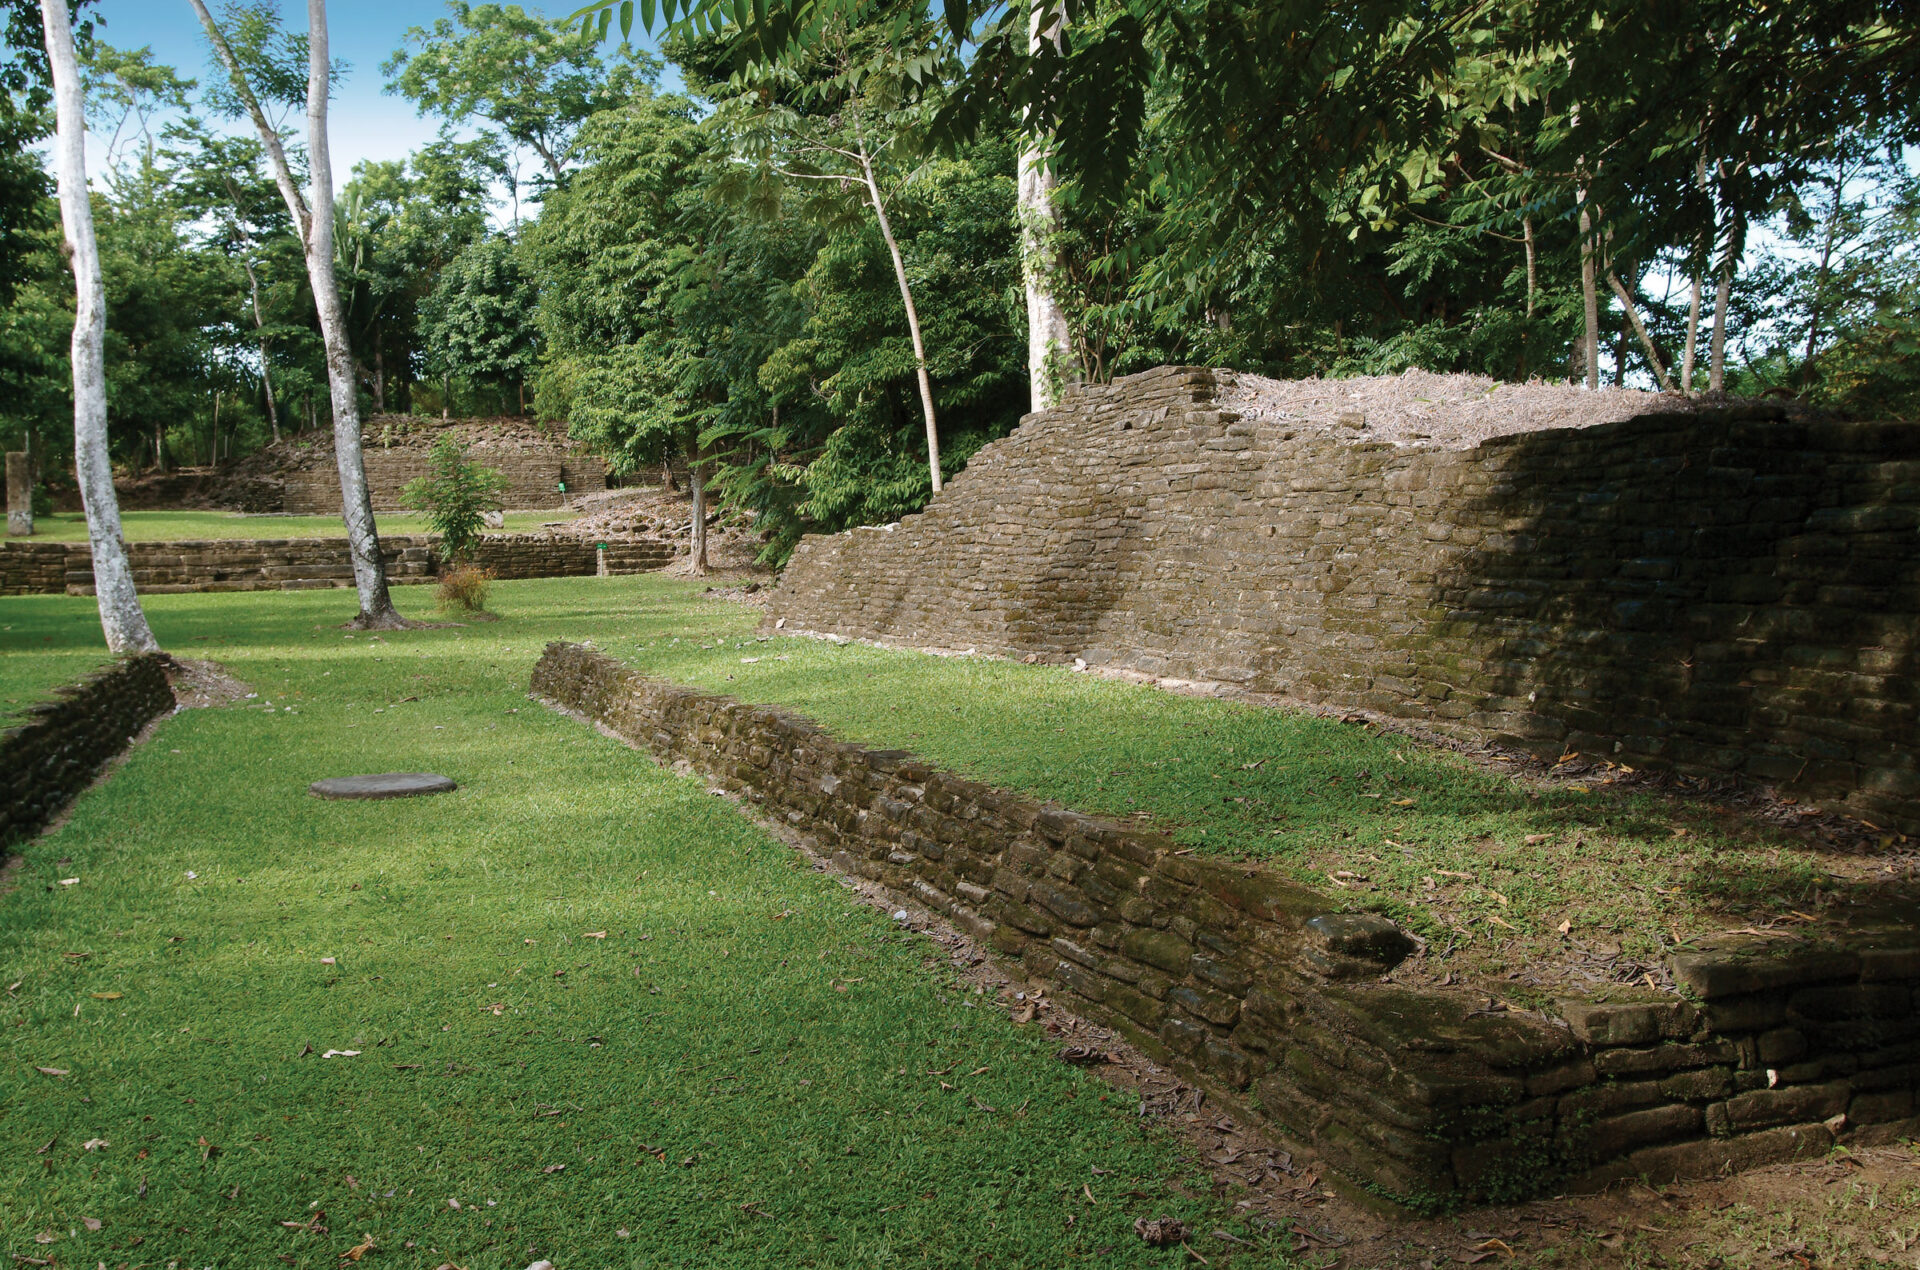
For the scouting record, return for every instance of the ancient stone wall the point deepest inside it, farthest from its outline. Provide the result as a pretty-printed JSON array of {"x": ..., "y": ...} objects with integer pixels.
[
  {"x": 291, "y": 564},
  {"x": 533, "y": 463},
  {"x": 51, "y": 752},
  {"x": 1725, "y": 591},
  {"x": 1275, "y": 1000}
]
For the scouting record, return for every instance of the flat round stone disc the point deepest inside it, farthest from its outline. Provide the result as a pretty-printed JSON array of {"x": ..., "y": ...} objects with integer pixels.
[{"x": 384, "y": 785}]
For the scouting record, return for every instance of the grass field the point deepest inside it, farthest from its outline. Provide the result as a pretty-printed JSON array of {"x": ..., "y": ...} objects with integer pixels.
[
  {"x": 43, "y": 643},
  {"x": 178, "y": 526},
  {"x": 578, "y": 1009},
  {"x": 1471, "y": 859}
]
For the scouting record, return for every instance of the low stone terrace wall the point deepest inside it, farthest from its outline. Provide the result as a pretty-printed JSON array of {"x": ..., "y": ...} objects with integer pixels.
[
  {"x": 49, "y": 753},
  {"x": 289, "y": 564},
  {"x": 1283, "y": 1006}
]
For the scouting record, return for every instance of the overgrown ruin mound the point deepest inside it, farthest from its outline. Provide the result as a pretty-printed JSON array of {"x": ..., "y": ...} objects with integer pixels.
[{"x": 1725, "y": 587}]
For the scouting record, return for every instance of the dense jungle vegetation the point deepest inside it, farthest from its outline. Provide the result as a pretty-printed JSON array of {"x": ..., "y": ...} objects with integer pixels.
[{"x": 1702, "y": 195}]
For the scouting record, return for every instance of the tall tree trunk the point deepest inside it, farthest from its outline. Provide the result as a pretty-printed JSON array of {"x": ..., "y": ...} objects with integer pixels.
[
  {"x": 1049, "y": 339},
  {"x": 1589, "y": 298},
  {"x": 316, "y": 235},
  {"x": 697, "y": 537},
  {"x": 356, "y": 505},
  {"x": 379, "y": 378},
  {"x": 1821, "y": 277},
  {"x": 121, "y": 618},
  {"x": 1693, "y": 337},
  {"x": 213, "y": 445},
  {"x": 1693, "y": 303},
  {"x": 913, "y": 314}
]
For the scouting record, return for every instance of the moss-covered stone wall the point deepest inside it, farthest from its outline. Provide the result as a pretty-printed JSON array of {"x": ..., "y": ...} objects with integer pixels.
[{"x": 52, "y": 751}]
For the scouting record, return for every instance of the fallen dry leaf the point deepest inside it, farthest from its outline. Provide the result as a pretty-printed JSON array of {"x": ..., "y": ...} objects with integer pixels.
[
  {"x": 106, "y": 996},
  {"x": 341, "y": 1054},
  {"x": 360, "y": 1249},
  {"x": 91, "y": 1223},
  {"x": 94, "y": 1144},
  {"x": 594, "y": 934},
  {"x": 52, "y": 1071},
  {"x": 554, "y": 1168}
]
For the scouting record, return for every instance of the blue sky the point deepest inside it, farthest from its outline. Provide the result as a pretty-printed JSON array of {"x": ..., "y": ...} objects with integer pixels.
[{"x": 366, "y": 123}]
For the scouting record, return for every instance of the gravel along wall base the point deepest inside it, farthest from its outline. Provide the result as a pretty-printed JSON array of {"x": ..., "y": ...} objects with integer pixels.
[
  {"x": 1283, "y": 1006},
  {"x": 1731, "y": 590},
  {"x": 50, "y": 752},
  {"x": 289, "y": 564}
]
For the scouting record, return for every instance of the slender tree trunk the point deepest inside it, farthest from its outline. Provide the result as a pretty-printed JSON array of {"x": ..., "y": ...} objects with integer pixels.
[
  {"x": 214, "y": 446},
  {"x": 913, "y": 315},
  {"x": 1640, "y": 329},
  {"x": 356, "y": 505},
  {"x": 121, "y": 618},
  {"x": 259, "y": 330},
  {"x": 316, "y": 235},
  {"x": 1820, "y": 279},
  {"x": 1693, "y": 303},
  {"x": 1049, "y": 339},
  {"x": 379, "y": 378},
  {"x": 1589, "y": 297},
  {"x": 1533, "y": 265},
  {"x": 697, "y": 536},
  {"x": 1693, "y": 338}
]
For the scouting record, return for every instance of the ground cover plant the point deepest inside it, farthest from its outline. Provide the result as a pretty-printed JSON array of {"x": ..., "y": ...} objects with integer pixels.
[
  {"x": 1550, "y": 881},
  {"x": 580, "y": 1008},
  {"x": 182, "y": 526}
]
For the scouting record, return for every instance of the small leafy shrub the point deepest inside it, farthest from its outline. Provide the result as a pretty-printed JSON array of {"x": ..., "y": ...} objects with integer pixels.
[
  {"x": 463, "y": 588},
  {"x": 455, "y": 494}
]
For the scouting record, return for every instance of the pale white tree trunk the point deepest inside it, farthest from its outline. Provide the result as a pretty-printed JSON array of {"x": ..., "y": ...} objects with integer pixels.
[
  {"x": 913, "y": 314},
  {"x": 1049, "y": 340},
  {"x": 121, "y": 617},
  {"x": 316, "y": 235}
]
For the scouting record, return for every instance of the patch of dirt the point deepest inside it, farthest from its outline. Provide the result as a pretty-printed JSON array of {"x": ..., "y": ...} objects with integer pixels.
[
  {"x": 1452, "y": 412},
  {"x": 200, "y": 684}
]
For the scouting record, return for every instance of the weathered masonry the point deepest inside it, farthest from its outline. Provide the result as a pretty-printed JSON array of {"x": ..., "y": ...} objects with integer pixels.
[
  {"x": 1725, "y": 590},
  {"x": 294, "y": 564},
  {"x": 1270, "y": 996},
  {"x": 50, "y": 752}
]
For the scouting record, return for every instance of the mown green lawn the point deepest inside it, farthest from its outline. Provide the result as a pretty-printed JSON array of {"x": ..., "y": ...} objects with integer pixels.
[
  {"x": 579, "y": 1009},
  {"x": 180, "y": 526},
  {"x": 39, "y": 649}
]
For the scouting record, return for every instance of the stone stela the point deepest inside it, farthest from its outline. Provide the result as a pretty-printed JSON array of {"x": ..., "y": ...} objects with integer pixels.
[{"x": 19, "y": 494}]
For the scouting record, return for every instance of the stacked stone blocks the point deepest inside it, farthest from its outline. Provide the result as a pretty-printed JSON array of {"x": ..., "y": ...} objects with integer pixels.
[
  {"x": 1730, "y": 591},
  {"x": 50, "y": 752},
  {"x": 291, "y": 564},
  {"x": 1274, "y": 999}
]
